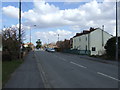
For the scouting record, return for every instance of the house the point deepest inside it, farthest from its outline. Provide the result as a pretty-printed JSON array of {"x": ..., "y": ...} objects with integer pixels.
[
  {"x": 29, "y": 45},
  {"x": 92, "y": 40},
  {"x": 52, "y": 45}
]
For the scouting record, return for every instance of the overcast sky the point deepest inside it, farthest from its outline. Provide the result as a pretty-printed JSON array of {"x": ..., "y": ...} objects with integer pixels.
[{"x": 48, "y": 19}]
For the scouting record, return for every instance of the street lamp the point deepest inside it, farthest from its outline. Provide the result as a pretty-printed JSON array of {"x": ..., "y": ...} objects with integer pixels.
[{"x": 30, "y": 33}]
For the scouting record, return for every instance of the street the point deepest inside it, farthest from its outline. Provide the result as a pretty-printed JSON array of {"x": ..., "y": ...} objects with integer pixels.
[
  {"x": 43, "y": 69},
  {"x": 70, "y": 71},
  {"x": 60, "y": 44}
]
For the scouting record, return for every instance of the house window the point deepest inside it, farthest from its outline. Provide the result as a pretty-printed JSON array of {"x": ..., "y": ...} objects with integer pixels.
[
  {"x": 75, "y": 47},
  {"x": 93, "y": 49},
  {"x": 75, "y": 40}
]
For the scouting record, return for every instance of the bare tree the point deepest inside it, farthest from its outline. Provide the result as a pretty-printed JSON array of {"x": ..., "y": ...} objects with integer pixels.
[
  {"x": 62, "y": 45},
  {"x": 10, "y": 40}
]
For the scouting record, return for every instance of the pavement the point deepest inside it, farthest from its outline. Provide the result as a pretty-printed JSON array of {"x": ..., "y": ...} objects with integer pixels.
[
  {"x": 114, "y": 62},
  {"x": 43, "y": 69},
  {"x": 27, "y": 75}
]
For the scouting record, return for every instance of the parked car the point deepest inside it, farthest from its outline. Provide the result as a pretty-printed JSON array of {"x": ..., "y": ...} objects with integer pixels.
[{"x": 50, "y": 49}]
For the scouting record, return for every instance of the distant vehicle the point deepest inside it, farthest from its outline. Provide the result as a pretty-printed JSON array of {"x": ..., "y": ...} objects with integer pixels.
[
  {"x": 46, "y": 49},
  {"x": 50, "y": 49}
]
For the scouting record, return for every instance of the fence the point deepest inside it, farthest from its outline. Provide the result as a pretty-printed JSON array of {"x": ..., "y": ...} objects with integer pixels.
[{"x": 79, "y": 52}]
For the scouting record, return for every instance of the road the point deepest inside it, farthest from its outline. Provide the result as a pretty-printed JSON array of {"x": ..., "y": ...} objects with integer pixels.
[{"x": 61, "y": 70}]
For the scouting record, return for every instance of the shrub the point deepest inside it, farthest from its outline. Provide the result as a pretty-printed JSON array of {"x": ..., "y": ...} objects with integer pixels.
[
  {"x": 111, "y": 47},
  {"x": 11, "y": 44}
]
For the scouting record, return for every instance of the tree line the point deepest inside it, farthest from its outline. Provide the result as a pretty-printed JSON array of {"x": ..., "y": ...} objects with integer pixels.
[{"x": 10, "y": 44}]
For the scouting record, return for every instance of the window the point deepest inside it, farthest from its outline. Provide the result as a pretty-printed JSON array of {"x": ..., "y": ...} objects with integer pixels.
[
  {"x": 93, "y": 49},
  {"x": 75, "y": 40},
  {"x": 75, "y": 47}
]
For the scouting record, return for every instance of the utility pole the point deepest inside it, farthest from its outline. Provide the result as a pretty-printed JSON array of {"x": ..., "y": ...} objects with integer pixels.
[
  {"x": 58, "y": 37},
  {"x": 116, "y": 32},
  {"x": 20, "y": 28}
]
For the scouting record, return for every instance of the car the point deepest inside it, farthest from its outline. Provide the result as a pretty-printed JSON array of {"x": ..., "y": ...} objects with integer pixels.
[{"x": 50, "y": 49}]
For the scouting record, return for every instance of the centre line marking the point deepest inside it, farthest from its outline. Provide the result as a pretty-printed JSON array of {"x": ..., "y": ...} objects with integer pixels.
[
  {"x": 108, "y": 76},
  {"x": 62, "y": 59},
  {"x": 78, "y": 64}
]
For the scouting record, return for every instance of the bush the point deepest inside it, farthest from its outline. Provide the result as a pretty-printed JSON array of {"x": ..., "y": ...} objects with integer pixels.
[
  {"x": 111, "y": 47},
  {"x": 6, "y": 56},
  {"x": 11, "y": 44}
]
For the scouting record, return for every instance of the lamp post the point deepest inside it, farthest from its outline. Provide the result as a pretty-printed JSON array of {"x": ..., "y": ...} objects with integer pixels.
[{"x": 31, "y": 35}]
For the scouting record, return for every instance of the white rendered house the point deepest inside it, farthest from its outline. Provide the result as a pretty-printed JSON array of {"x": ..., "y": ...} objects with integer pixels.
[{"x": 93, "y": 40}]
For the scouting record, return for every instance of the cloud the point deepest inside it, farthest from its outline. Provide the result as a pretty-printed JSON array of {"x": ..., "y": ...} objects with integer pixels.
[
  {"x": 45, "y": 15},
  {"x": 52, "y": 36},
  {"x": 23, "y": 27},
  {"x": 11, "y": 11},
  {"x": 91, "y": 14}
]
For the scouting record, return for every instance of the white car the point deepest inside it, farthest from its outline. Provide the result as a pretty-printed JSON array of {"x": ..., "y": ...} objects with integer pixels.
[{"x": 50, "y": 49}]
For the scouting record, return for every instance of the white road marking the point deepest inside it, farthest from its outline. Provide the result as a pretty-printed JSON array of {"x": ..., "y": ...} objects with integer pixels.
[
  {"x": 60, "y": 58},
  {"x": 78, "y": 64},
  {"x": 63, "y": 59},
  {"x": 107, "y": 76}
]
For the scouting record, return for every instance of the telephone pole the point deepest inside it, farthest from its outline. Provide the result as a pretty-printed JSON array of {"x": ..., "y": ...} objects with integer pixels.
[
  {"x": 20, "y": 29},
  {"x": 116, "y": 32}
]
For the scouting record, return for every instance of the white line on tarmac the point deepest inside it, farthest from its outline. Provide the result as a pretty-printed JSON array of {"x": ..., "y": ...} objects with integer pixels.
[
  {"x": 60, "y": 58},
  {"x": 42, "y": 73},
  {"x": 107, "y": 76},
  {"x": 78, "y": 65},
  {"x": 63, "y": 59}
]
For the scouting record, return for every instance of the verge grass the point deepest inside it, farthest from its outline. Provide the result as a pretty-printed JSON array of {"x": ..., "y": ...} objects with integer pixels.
[{"x": 8, "y": 67}]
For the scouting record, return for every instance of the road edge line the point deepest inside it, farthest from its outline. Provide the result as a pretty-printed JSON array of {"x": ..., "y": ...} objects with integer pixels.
[{"x": 42, "y": 74}]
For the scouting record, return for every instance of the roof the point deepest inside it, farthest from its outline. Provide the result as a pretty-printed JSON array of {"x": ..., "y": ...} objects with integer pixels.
[
  {"x": 28, "y": 44},
  {"x": 85, "y": 32}
]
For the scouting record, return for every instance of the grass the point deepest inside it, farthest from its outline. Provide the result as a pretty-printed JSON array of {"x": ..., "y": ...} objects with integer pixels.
[{"x": 8, "y": 67}]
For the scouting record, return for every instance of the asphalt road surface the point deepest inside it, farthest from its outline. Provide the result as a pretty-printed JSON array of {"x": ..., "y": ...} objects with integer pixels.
[{"x": 59, "y": 70}]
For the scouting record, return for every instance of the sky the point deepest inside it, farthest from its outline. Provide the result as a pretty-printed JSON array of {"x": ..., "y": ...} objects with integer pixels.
[{"x": 48, "y": 19}]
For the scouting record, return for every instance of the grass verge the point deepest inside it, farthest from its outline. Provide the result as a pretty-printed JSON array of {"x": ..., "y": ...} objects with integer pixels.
[{"x": 8, "y": 67}]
